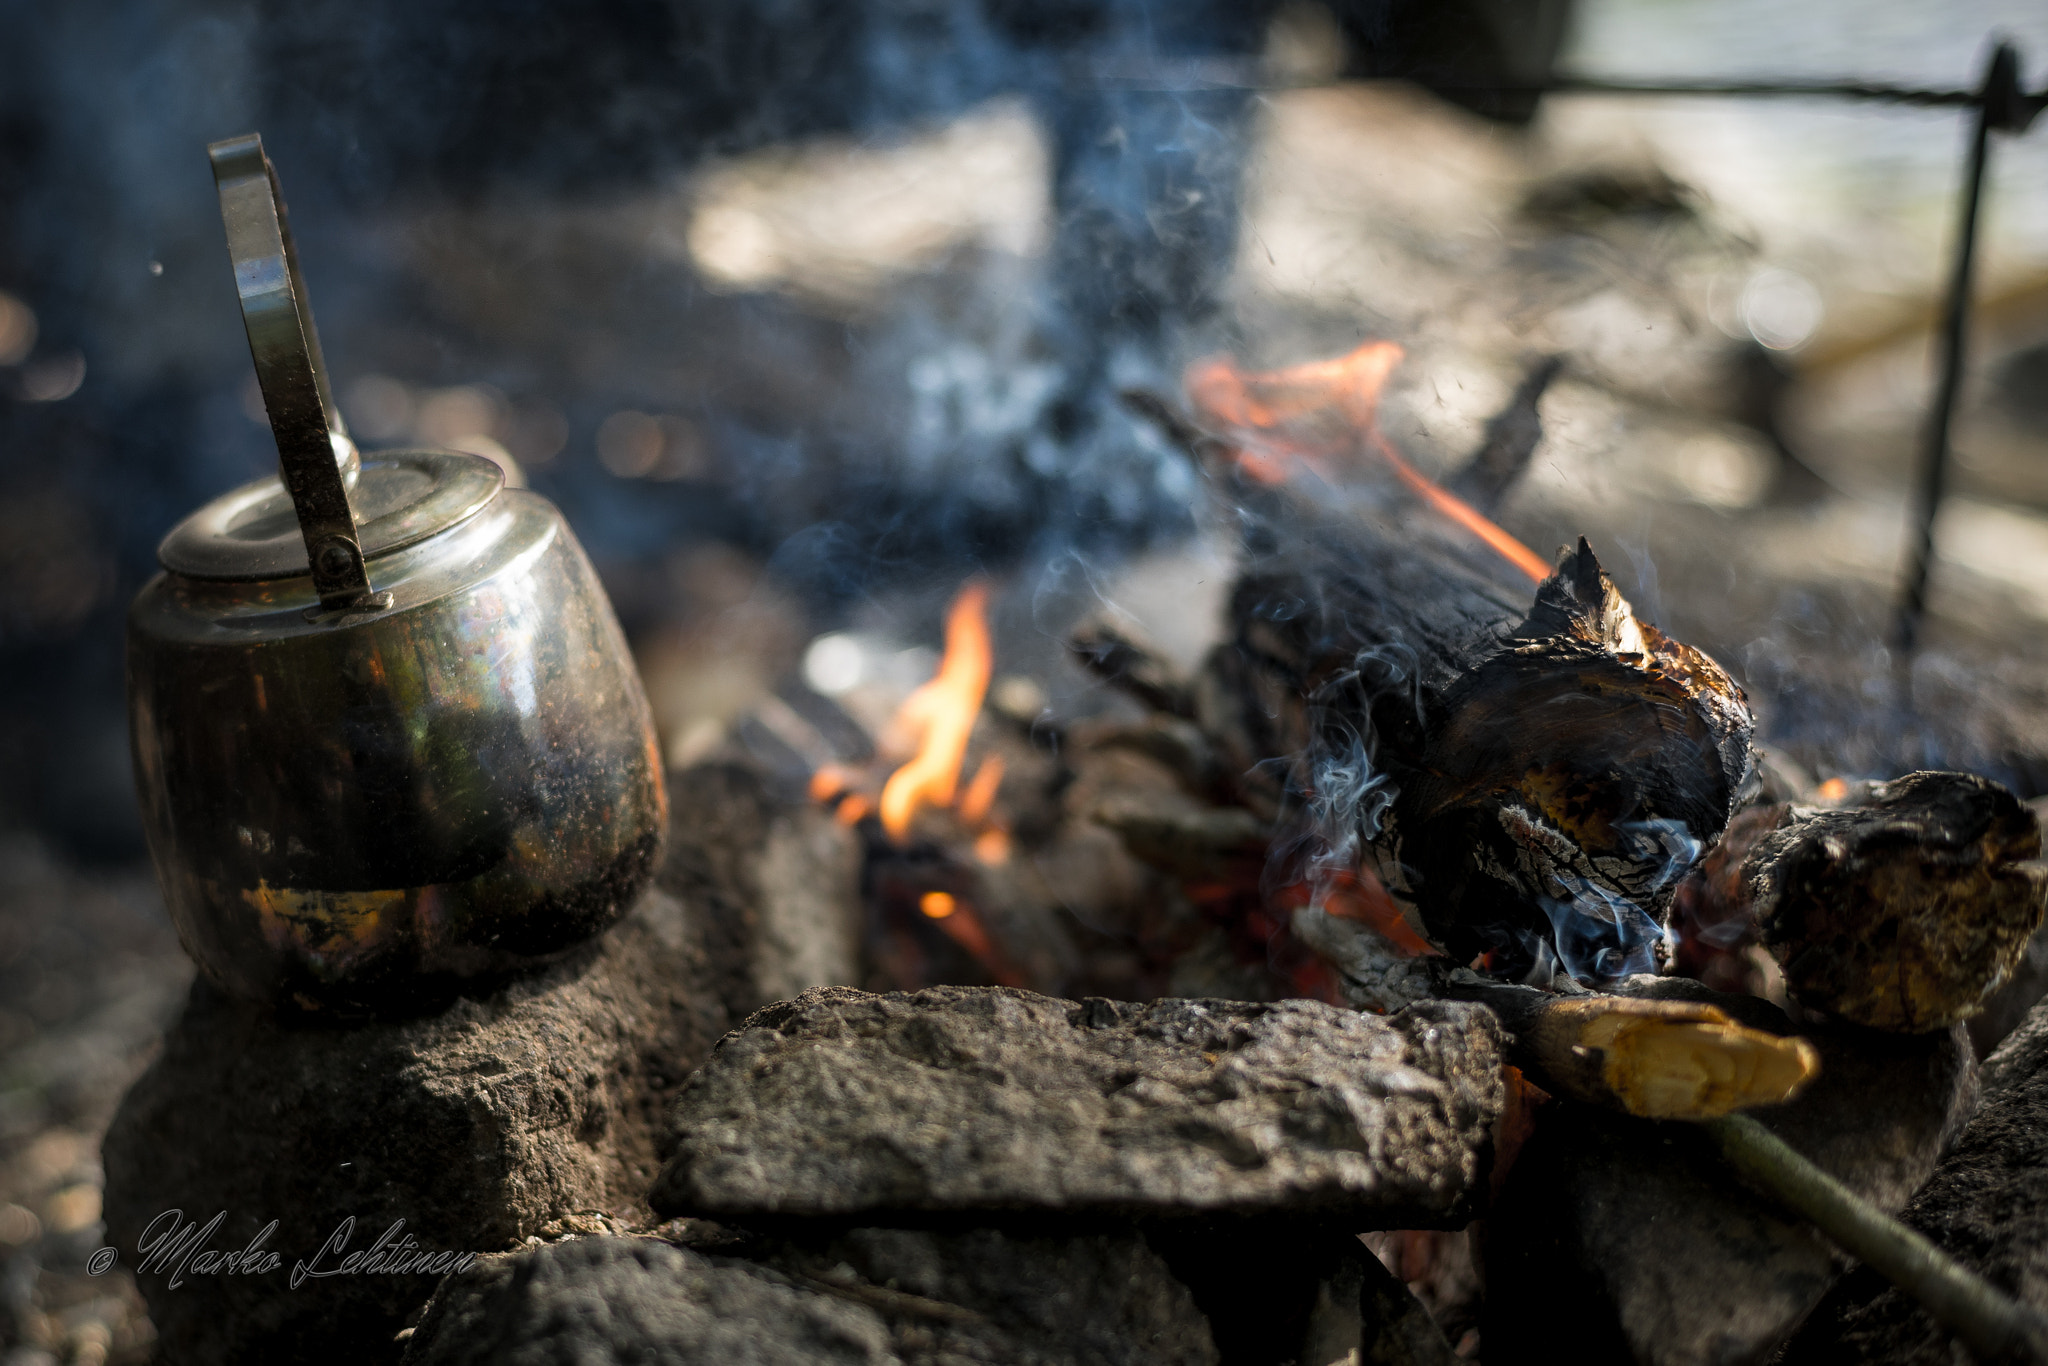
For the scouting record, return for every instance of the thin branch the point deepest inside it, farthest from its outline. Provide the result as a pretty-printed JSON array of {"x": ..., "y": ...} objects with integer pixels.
[{"x": 1991, "y": 1323}]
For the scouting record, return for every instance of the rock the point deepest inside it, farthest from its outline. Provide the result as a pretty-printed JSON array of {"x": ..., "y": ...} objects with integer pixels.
[
  {"x": 599, "y": 1300},
  {"x": 478, "y": 1127},
  {"x": 1286, "y": 1292},
  {"x": 865, "y": 1295},
  {"x": 841, "y": 1103},
  {"x": 1046, "y": 1297},
  {"x": 775, "y": 879},
  {"x": 1663, "y": 1255},
  {"x": 1986, "y": 1205}
]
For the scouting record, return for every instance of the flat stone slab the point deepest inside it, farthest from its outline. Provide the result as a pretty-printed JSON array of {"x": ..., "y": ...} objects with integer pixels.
[
  {"x": 840, "y": 1103},
  {"x": 871, "y": 1297}
]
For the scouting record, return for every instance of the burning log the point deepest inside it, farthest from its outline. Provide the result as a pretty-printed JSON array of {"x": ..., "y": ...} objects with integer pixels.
[
  {"x": 1526, "y": 789},
  {"x": 1525, "y": 784},
  {"x": 1903, "y": 911}
]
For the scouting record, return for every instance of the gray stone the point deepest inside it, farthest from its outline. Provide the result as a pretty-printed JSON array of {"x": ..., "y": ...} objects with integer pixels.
[
  {"x": 843, "y": 1103},
  {"x": 1045, "y": 1299},
  {"x": 596, "y": 1301},
  {"x": 1986, "y": 1205},
  {"x": 478, "y": 1127},
  {"x": 866, "y": 1295},
  {"x": 1664, "y": 1256},
  {"x": 1289, "y": 1291},
  {"x": 774, "y": 878}
]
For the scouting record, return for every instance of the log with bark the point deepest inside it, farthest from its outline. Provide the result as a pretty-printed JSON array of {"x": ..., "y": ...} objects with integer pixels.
[{"x": 1903, "y": 910}]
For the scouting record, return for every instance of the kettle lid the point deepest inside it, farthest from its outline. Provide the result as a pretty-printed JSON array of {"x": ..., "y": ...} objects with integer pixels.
[{"x": 400, "y": 499}]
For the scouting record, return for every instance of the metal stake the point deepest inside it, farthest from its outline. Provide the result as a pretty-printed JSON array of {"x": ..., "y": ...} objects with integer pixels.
[{"x": 1999, "y": 105}]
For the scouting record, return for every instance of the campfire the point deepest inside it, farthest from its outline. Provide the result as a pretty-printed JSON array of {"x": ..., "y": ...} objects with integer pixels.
[
  {"x": 1391, "y": 935},
  {"x": 1434, "y": 822}
]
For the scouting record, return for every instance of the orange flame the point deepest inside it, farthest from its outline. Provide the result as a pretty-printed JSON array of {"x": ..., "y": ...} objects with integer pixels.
[
  {"x": 1259, "y": 403},
  {"x": 1464, "y": 514},
  {"x": 941, "y": 714},
  {"x": 981, "y": 791},
  {"x": 829, "y": 782},
  {"x": 1360, "y": 895}
]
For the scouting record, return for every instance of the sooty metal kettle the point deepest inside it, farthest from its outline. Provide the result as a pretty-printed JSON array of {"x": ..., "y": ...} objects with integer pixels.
[{"x": 386, "y": 731}]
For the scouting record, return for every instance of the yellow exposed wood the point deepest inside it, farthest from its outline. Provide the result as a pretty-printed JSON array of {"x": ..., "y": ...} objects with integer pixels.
[{"x": 1681, "y": 1060}]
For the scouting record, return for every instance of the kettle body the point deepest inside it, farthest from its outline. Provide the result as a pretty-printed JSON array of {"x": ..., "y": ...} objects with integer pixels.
[{"x": 363, "y": 810}]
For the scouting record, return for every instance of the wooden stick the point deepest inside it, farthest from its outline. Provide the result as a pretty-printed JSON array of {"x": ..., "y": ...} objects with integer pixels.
[
  {"x": 1990, "y": 1322},
  {"x": 1656, "y": 1059}
]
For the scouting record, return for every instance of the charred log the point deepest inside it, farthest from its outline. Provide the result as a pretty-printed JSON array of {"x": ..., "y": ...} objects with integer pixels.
[
  {"x": 1902, "y": 912},
  {"x": 1526, "y": 782}
]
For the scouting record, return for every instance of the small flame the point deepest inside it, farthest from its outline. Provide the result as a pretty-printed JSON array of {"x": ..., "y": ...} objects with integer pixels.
[
  {"x": 981, "y": 791},
  {"x": 937, "y": 905},
  {"x": 829, "y": 782},
  {"x": 1266, "y": 399},
  {"x": 1464, "y": 514},
  {"x": 1360, "y": 895},
  {"x": 1259, "y": 403},
  {"x": 1834, "y": 791},
  {"x": 992, "y": 846},
  {"x": 941, "y": 714}
]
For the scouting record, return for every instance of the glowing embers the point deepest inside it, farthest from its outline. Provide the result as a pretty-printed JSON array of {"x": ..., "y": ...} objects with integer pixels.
[{"x": 1323, "y": 416}]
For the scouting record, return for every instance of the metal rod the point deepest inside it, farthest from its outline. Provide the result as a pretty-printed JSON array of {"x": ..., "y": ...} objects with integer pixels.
[
  {"x": 2001, "y": 76},
  {"x": 1173, "y": 74}
]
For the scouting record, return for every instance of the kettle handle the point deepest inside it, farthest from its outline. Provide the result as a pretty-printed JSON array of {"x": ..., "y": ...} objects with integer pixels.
[{"x": 318, "y": 459}]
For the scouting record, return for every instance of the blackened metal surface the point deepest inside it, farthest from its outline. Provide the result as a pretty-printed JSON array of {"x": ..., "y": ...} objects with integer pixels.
[{"x": 352, "y": 810}]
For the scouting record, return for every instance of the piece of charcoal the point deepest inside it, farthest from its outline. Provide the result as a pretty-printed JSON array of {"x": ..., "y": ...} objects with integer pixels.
[{"x": 1905, "y": 910}]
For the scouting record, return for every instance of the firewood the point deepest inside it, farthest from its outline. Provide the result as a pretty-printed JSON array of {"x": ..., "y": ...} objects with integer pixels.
[
  {"x": 1113, "y": 654},
  {"x": 1657, "y": 1059},
  {"x": 1903, "y": 911},
  {"x": 1530, "y": 783},
  {"x": 1511, "y": 438},
  {"x": 1525, "y": 781}
]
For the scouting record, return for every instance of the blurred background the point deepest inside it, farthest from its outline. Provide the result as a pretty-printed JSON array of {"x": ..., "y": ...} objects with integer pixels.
[{"x": 806, "y": 310}]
